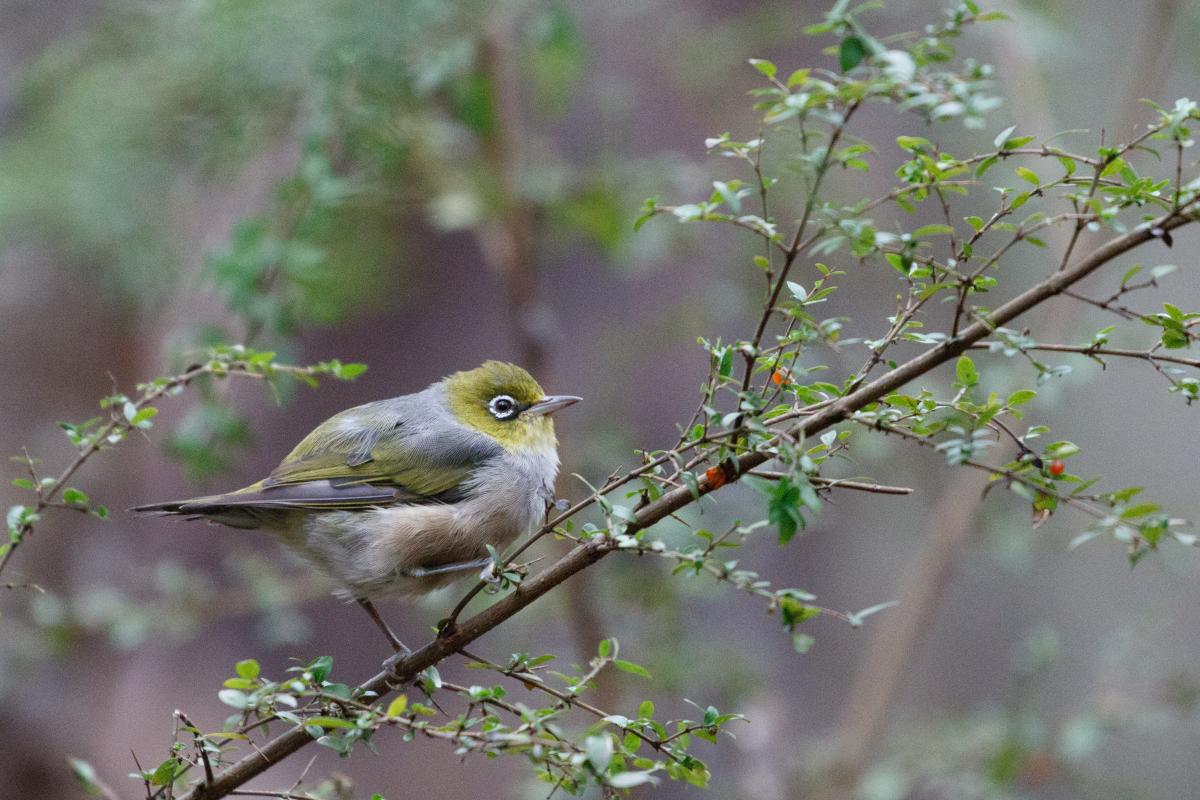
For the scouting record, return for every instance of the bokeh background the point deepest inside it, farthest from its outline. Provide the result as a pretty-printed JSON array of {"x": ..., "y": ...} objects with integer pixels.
[{"x": 420, "y": 185}]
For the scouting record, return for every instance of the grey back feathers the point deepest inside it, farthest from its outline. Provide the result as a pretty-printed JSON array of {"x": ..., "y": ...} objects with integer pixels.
[
  {"x": 391, "y": 497},
  {"x": 419, "y": 425}
]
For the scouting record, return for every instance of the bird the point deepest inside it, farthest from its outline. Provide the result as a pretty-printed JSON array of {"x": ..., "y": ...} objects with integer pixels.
[{"x": 402, "y": 496}]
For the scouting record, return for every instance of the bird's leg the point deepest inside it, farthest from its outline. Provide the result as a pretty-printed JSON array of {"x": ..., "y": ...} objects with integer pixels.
[
  {"x": 460, "y": 566},
  {"x": 448, "y": 625},
  {"x": 393, "y": 640}
]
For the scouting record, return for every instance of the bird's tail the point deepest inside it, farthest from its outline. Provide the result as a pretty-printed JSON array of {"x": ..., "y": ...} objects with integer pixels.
[{"x": 213, "y": 508}]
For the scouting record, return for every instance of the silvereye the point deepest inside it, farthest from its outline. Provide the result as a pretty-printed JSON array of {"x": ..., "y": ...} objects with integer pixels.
[{"x": 402, "y": 496}]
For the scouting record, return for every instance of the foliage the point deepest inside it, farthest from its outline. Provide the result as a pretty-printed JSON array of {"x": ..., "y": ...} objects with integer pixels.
[
  {"x": 768, "y": 411},
  {"x": 375, "y": 118},
  {"x": 123, "y": 415}
]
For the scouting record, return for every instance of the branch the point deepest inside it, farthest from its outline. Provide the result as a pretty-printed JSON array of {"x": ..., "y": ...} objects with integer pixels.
[
  {"x": 125, "y": 418},
  {"x": 1116, "y": 352},
  {"x": 403, "y": 668},
  {"x": 838, "y": 483}
]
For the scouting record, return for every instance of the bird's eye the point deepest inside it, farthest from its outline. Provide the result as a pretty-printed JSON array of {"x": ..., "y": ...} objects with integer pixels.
[{"x": 503, "y": 407}]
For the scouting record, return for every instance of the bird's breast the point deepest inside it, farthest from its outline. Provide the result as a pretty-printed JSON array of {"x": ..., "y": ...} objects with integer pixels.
[
  {"x": 373, "y": 552},
  {"x": 515, "y": 488}
]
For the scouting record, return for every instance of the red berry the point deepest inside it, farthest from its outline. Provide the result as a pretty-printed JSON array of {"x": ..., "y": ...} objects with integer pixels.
[
  {"x": 715, "y": 477},
  {"x": 1057, "y": 467}
]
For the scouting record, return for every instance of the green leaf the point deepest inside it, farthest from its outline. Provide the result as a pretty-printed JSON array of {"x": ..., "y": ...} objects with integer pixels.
[
  {"x": 914, "y": 144},
  {"x": 599, "y": 752},
  {"x": 627, "y": 780},
  {"x": 1029, "y": 175},
  {"x": 630, "y": 667},
  {"x": 764, "y": 66},
  {"x": 329, "y": 722},
  {"x": 1163, "y": 270},
  {"x": 1140, "y": 510},
  {"x": 397, "y": 706},
  {"x": 248, "y": 669},
  {"x": 320, "y": 667},
  {"x": 85, "y": 773},
  {"x": 1174, "y": 340},
  {"x": 142, "y": 418},
  {"x": 165, "y": 772},
  {"x": 856, "y": 618},
  {"x": 965, "y": 371},
  {"x": 851, "y": 51},
  {"x": 1062, "y": 449},
  {"x": 985, "y": 165},
  {"x": 1020, "y": 397},
  {"x": 783, "y": 509},
  {"x": 349, "y": 372},
  {"x": 729, "y": 195},
  {"x": 1002, "y": 137}
]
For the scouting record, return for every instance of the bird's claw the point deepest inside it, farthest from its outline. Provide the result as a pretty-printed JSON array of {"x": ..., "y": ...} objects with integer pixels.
[
  {"x": 490, "y": 574},
  {"x": 446, "y": 628},
  {"x": 390, "y": 663}
]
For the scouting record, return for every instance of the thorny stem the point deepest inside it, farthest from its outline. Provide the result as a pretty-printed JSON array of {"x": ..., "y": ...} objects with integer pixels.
[
  {"x": 1096, "y": 351},
  {"x": 401, "y": 669},
  {"x": 120, "y": 425},
  {"x": 1098, "y": 168},
  {"x": 797, "y": 246},
  {"x": 198, "y": 740},
  {"x": 1010, "y": 475}
]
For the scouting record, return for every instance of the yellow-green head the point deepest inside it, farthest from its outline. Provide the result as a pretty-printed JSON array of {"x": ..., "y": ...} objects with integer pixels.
[{"x": 505, "y": 402}]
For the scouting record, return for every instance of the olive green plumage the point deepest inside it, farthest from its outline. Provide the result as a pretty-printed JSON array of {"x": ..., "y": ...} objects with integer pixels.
[
  {"x": 470, "y": 392},
  {"x": 391, "y": 496}
]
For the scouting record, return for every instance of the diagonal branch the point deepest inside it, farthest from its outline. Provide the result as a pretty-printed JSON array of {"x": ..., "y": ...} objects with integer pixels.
[{"x": 400, "y": 670}]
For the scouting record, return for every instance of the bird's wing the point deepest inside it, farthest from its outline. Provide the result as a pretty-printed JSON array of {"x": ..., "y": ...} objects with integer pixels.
[
  {"x": 388, "y": 446},
  {"x": 393, "y": 465},
  {"x": 377, "y": 454}
]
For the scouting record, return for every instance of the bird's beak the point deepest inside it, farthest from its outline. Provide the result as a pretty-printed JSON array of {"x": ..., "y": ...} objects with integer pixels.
[{"x": 548, "y": 405}]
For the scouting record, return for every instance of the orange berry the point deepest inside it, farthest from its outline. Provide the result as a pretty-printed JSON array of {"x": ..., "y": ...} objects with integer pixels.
[
  {"x": 1057, "y": 467},
  {"x": 715, "y": 477},
  {"x": 777, "y": 377}
]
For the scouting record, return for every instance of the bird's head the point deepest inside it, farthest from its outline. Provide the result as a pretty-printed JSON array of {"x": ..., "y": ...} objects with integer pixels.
[{"x": 505, "y": 402}]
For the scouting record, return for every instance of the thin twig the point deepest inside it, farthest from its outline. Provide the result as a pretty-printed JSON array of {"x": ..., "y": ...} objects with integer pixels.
[
  {"x": 198, "y": 741},
  {"x": 401, "y": 669},
  {"x": 836, "y": 483}
]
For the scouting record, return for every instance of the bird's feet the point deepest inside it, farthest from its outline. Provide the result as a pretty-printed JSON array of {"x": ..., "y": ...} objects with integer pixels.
[
  {"x": 490, "y": 573},
  {"x": 446, "y": 628}
]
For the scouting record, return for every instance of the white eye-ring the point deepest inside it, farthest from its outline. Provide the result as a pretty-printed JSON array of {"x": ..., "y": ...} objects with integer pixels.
[{"x": 503, "y": 407}]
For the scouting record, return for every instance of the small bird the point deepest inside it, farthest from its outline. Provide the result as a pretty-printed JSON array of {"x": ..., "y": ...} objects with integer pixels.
[{"x": 402, "y": 496}]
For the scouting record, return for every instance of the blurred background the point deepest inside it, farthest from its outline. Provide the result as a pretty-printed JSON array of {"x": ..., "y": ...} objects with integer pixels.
[{"x": 421, "y": 185}]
